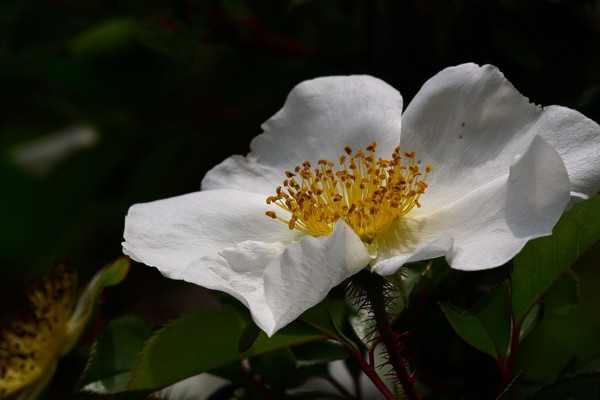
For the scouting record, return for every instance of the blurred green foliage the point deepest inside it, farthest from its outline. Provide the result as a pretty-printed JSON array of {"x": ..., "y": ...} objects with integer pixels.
[{"x": 170, "y": 88}]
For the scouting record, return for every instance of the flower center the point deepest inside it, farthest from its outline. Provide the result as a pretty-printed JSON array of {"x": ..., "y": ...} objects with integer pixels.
[
  {"x": 29, "y": 343},
  {"x": 365, "y": 193}
]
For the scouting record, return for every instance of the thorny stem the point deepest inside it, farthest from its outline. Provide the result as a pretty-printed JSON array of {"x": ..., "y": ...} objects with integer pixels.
[
  {"x": 374, "y": 290},
  {"x": 371, "y": 374}
]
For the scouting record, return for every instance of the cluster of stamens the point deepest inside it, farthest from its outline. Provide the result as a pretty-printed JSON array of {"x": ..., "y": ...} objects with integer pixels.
[
  {"x": 30, "y": 342},
  {"x": 368, "y": 194}
]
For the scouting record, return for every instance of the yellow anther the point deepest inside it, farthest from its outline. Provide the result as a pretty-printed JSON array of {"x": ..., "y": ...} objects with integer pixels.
[
  {"x": 367, "y": 194},
  {"x": 271, "y": 214}
]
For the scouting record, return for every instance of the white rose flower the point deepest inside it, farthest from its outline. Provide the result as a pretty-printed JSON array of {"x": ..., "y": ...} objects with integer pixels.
[{"x": 504, "y": 171}]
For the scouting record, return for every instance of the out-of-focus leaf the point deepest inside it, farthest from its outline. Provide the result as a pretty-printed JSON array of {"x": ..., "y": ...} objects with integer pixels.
[
  {"x": 319, "y": 353},
  {"x": 508, "y": 392},
  {"x": 584, "y": 383},
  {"x": 276, "y": 368},
  {"x": 205, "y": 340},
  {"x": 569, "y": 387},
  {"x": 114, "y": 355},
  {"x": 486, "y": 326},
  {"x": 107, "y": 37},
  {"x": 315, "y": 396},
  {"x": 543, "y": 260},
  {"x": 87, "y": 303}
]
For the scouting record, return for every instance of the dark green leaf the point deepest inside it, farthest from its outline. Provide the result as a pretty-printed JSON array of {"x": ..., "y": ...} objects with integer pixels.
[
  {"x": 275, "y": 368},
  {"x": 204, "y": 340},
  {"x": 319, "y": 353},
  {"x": 563, "y": 297},
  {"x": 405, "y": 281},
  {"x": 543, "y": 260},
  {"x": 486, "y": 326},
  {"x": 114, "y": 355},
  {"x": 532, "y": 320},
  {"x": 107, "y": 37},
  {"x": 249, "y": 336},
  {"x": 569, "y": 387},
  {"x": 328, "y": 317},
  {"x": 315, "y": 396},
  {"x": 508, "y": 392}
]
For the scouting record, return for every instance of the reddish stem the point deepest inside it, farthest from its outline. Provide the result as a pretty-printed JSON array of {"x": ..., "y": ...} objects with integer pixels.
[{"x": 372, "y": 374}]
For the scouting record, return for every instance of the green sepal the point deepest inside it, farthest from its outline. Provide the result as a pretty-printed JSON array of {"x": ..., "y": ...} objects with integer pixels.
[{"x": 87, "y": 303}]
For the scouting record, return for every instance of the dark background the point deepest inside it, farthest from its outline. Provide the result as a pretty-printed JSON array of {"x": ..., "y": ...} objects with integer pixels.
[{"x": 170, "y": 88}]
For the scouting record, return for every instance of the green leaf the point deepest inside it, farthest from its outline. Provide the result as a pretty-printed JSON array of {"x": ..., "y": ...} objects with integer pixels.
[
  {"x": 563, "y": 297},
  {"x": 543, "y": 260},
  {"x": 569, "y": 387},
  {"x": 508, "y": 392},
  {"x": 114, "y": 355},
  {"x": 531, "y": 321},
  {"x": 275, "y": 368},
  {"x": 486, "y": 326},
  {"x": 204, "y": 340},
  {"x": 405, "y": 281},
  {"x": 319, "y": 353},
  {"x": 87, "y": 303},
  {"x": 249, "y": 336},
  {"x": 585, "y": 380},
  {"x": 108, "y": 37},
  {"x": 328, "y": 317}
]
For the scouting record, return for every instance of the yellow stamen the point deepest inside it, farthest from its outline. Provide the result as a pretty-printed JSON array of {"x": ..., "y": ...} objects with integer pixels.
[
  {"x": 368, "y": 194},
  {"x": 29, "y": 344}
]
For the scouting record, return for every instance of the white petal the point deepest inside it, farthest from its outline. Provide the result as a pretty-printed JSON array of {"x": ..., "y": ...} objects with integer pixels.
[
  {"x": 197, "y": 387},
  {"x": 239, "y": 270},
  {"x": 319, "y": 118},
  {"x": 278, "y": 283},
  {"x": 308, "y": 269},
  {"x": 491, "y": 225},
  {"x": 577, "y": 140},
  {"x": 469, "y": 122},
  {"x": 170, "y": 234}
]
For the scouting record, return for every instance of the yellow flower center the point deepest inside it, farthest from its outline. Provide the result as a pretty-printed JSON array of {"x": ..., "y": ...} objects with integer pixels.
[
  {"x": 30, "y": 343},
  {"x": 366, "y": 193}
]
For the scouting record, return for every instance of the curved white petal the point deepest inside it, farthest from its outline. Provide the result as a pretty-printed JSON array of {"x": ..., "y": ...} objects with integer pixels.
[
  {"x": 197, "y": 387},
  {"x": 489, "y": 226},
  {"x": 469, "y": 122},
  {"x": 319, "y": 118},
  {"x": 239, "y": 270},
  {"x": 170, "y": 234},
  {"x": 577, "y": 140},
  {"x": 308, "y": 269},
  {"x": 276, "y": 282}
]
